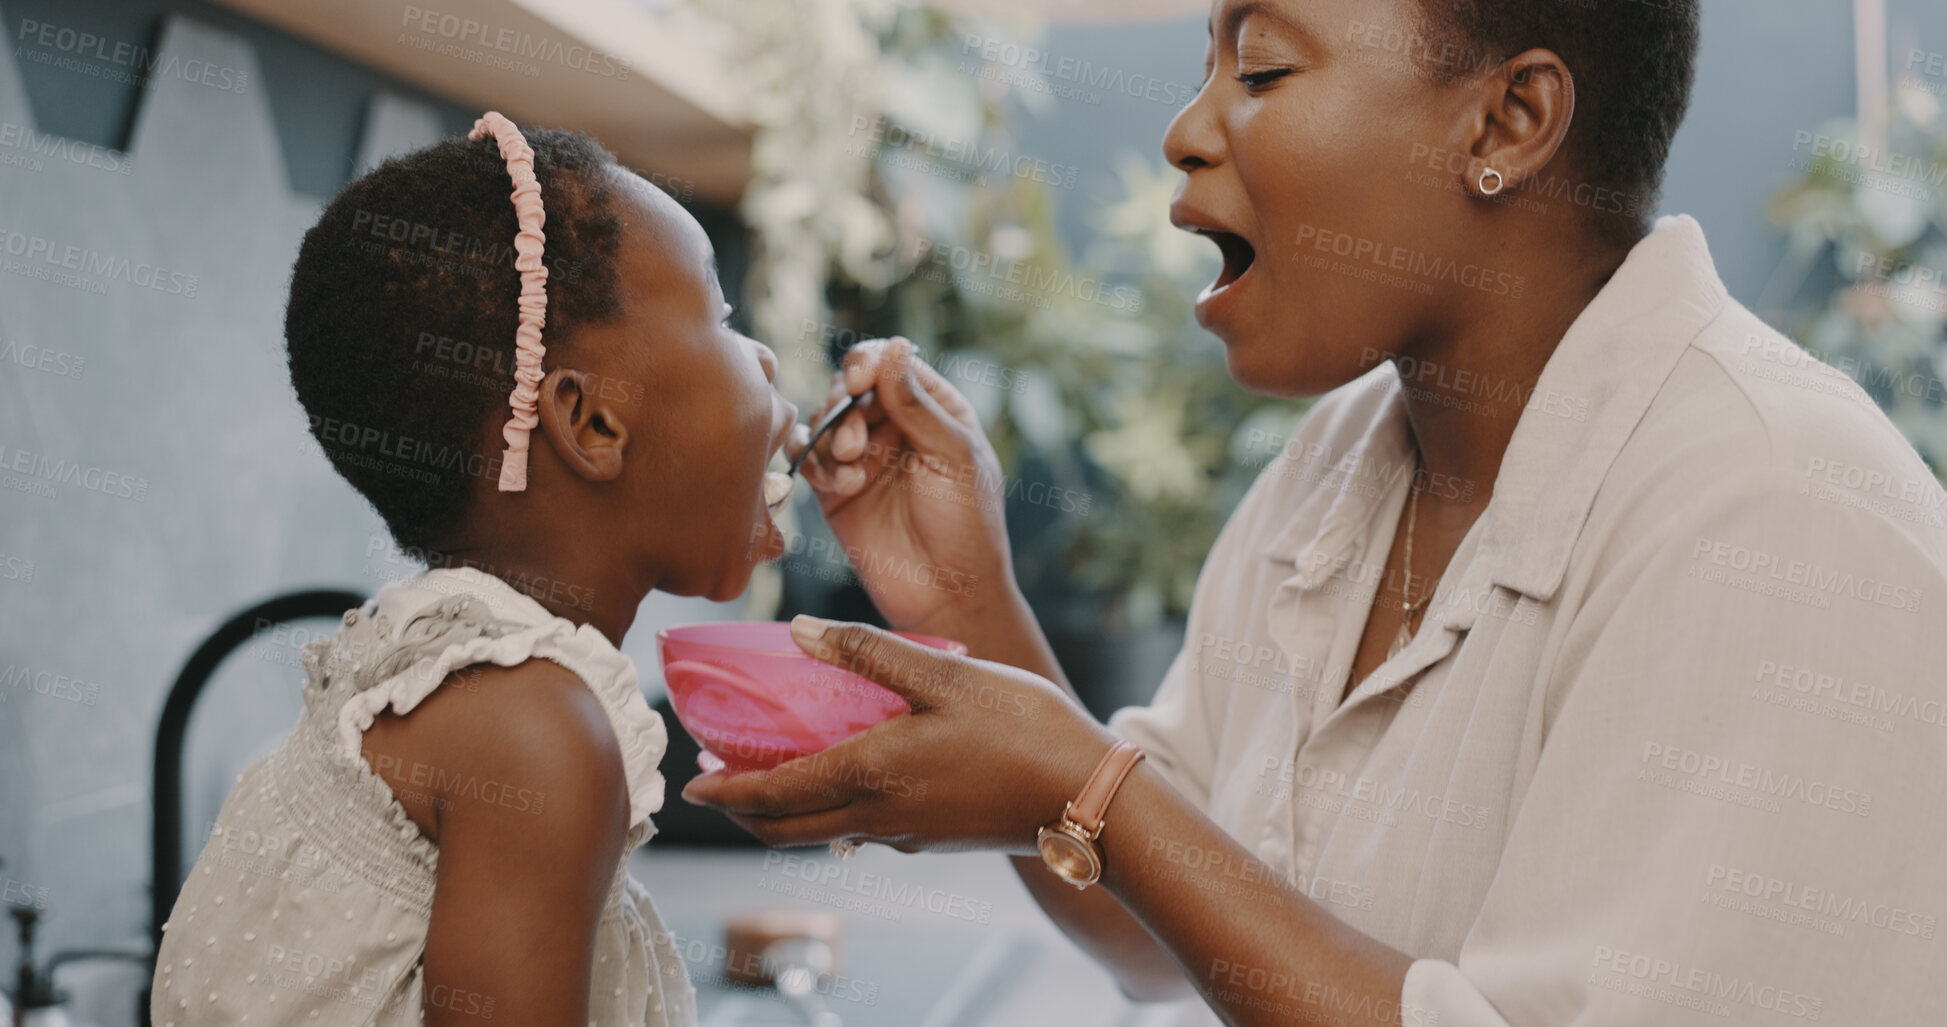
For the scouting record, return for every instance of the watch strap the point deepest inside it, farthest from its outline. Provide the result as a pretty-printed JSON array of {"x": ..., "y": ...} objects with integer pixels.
[{"x": 1090, "y": 807}]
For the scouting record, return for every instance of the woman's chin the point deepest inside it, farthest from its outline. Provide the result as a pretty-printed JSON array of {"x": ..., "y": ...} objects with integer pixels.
[
  {"x": 1283, "y": 366},
  {"x": 1270, "y": 370}
]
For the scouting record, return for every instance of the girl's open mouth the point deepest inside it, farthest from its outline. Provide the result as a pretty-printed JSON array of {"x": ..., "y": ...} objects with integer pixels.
[{"x": 777, "y": 489}]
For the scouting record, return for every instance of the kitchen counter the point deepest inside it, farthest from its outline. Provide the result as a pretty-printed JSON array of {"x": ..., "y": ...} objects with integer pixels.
[{"x": 930, "y": 940}]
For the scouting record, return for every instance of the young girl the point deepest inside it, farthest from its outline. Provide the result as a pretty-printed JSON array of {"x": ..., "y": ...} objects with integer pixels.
[{"x": 443, "y": 837}]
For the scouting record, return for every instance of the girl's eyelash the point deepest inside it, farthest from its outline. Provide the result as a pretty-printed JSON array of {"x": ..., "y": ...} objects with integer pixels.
[{"x": 1260, "y": 79}]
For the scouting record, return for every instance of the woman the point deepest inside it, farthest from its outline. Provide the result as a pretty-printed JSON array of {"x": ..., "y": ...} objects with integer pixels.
[{"x": 1573, "y": 663}]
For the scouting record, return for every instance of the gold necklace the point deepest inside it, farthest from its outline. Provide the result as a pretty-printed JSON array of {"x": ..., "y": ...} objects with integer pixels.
[{"x": 1407, "y": 610}]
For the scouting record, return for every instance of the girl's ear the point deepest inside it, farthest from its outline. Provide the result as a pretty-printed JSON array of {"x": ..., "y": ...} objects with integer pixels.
[{"x": 586, "y": 431}]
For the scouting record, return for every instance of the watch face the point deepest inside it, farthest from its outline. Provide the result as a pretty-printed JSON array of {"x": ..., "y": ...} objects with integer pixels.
[{"x": 1069, "y": 857}]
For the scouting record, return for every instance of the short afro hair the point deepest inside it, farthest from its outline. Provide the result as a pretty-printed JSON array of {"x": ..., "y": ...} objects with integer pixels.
[
  {"x": 403, "y": 306},
  {"x": 1634, "y": 62}
]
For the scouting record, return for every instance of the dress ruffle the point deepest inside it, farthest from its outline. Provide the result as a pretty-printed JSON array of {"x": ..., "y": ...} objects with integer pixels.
[{"x": 402, "y": 675}]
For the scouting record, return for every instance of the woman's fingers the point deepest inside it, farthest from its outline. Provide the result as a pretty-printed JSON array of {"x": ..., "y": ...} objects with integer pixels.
[
  {"x": 805, "y": 829},
  {"x": 848, "y": 439},
  {"x": 789, "y": 790},
  {"x": 920, "y": 674},
  {"x": 860, "y": 369},
  {"x": 912, "y": 395}
]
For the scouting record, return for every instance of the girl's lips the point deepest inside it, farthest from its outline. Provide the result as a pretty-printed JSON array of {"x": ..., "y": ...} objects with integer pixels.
[
  {"x": 772, "y": 546},
  {"x": 777, "y": 489}
]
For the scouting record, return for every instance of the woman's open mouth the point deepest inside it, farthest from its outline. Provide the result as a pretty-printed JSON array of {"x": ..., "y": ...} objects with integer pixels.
[{"x": 1239, "y": 257}]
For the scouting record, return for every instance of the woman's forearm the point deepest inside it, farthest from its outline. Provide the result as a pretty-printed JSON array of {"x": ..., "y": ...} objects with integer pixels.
[
  {"x": 1096, "y": 922},
  {"x": 1007, "y": 632},
  {"x": 1257, "y": 949},
  {"x": 1001, "y": 628}
]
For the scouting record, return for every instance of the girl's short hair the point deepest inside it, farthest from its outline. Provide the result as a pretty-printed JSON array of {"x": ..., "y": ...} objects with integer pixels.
[{"x": 400, "y": 325}]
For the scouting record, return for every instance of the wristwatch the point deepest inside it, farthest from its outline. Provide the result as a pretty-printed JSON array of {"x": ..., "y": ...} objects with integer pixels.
[{"x": 1068, "y": 845}]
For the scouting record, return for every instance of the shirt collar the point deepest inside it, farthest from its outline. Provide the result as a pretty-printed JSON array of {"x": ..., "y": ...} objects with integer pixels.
[
  {"x": 1348, "y": 488},
  {"x": 1595, "y": 389}
]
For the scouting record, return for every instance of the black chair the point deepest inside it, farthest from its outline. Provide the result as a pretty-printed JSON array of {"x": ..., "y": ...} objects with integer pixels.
[{"x": 166, "y": 851}]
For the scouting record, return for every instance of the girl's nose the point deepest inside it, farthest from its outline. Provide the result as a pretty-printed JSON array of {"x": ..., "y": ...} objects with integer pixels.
[{"x": 766, "y": 358}]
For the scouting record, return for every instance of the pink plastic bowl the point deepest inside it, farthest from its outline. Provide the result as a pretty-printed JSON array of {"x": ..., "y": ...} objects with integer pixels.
[{"x": 753, "y": 699}]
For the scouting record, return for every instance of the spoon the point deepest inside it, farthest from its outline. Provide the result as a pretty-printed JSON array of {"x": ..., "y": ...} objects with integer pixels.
[{"x": 782, "y": 490}]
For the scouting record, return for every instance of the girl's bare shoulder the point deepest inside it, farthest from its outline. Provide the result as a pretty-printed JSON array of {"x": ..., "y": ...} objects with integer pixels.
[{"x": 501, "y": 743}]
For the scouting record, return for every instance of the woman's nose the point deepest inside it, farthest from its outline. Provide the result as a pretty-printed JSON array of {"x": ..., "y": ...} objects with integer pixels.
[{"x": 1195, "y": 139}]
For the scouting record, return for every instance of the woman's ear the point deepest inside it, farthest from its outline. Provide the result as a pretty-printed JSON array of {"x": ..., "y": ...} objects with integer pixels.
[
  {"x": 586, "y": 431},
  {"x": 1524, "y": 119}
]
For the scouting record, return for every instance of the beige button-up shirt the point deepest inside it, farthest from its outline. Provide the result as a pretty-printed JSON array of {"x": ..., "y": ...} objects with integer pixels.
[{"x": 1670, "y": 745}]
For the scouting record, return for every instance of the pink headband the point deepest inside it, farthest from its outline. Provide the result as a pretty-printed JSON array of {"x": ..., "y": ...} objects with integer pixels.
[{"x": 534, "y": 294}]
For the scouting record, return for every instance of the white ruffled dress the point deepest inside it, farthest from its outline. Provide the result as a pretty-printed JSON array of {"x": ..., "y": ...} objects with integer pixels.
[{"x": 310, "y": 902}]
